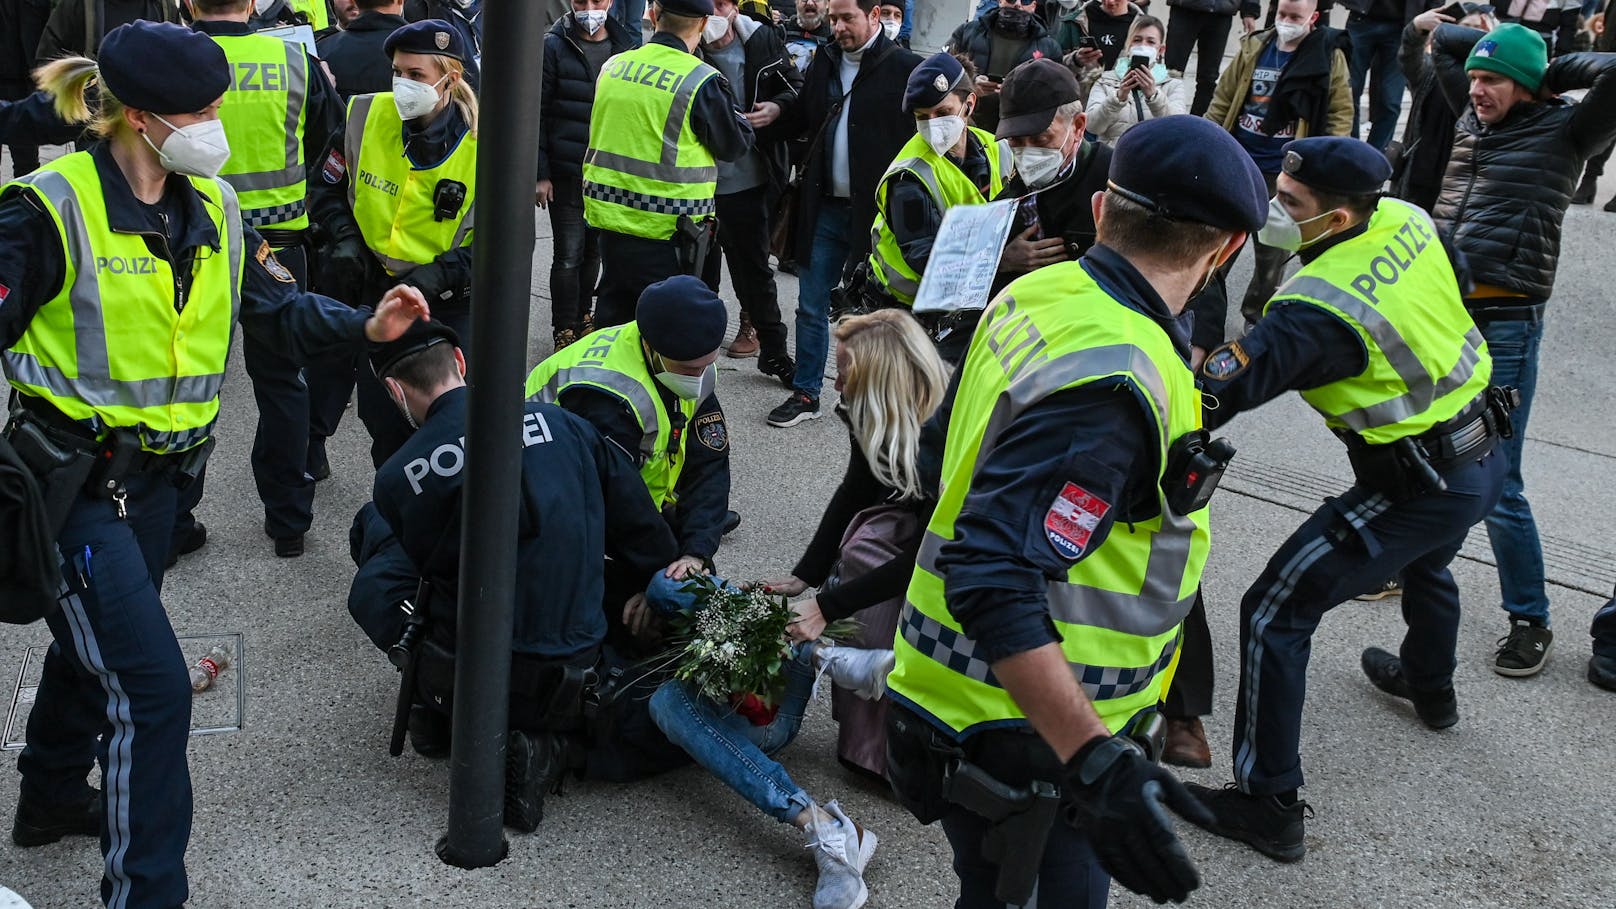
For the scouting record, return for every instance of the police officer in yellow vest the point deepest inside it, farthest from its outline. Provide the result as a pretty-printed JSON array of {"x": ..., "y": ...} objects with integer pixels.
[
  {"x": 662, "y": 119},
  {"x": 1373, "y": 334},
  {"x": 648, "y": 387},
  {"x": 1043, "y": 616},
  {"x": 271, "y": 13},
  {"x": 123, "y": 272},
  {"x": 947, "y": 163},
  {"x": 278, "y": 115},
  {"x": 396, "y": 196}
]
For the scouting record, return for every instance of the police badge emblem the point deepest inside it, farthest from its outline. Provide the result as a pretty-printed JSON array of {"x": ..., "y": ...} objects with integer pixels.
[
  {"x": 711, "y": 431},
  {"x": 1226, "y": 362},
  {"x": 940, "y": 83},
  {"x": 266, "y": 258},
  {"x": 441, "y": 39}
]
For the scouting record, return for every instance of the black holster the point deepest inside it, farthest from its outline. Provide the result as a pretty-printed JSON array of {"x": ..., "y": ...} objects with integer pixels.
[
  {"x": 694, "y": 240},
  {"x": 1021, "y": 816},
  {"x": 60, "y": 464}
]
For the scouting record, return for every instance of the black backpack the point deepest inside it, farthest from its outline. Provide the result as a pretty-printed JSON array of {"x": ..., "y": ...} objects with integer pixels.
[{"x": 30, "y": 567}]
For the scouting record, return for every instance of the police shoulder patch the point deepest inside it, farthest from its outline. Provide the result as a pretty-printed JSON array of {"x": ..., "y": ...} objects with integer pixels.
[
  {"x": 1070, "y": 522},
  {"x": 334, "y": 168},
  {"x": 266, "y": 258},
  {"x": 1226, "y": 362},
  {"x": 711, "y": 431}
]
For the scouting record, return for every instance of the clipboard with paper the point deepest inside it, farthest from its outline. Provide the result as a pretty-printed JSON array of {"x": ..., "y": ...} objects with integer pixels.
[
  {"x": 294, "y": 34},
  {"x": 965, "y": 257}
]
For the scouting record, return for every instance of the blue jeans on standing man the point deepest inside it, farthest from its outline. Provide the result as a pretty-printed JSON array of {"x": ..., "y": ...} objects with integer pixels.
[
  {"x": 1374, "y": 58},
  {"x": 1510, "y": 527},
  {"x": 814, "y": 284},
  {"x": 725, "y": 742}
]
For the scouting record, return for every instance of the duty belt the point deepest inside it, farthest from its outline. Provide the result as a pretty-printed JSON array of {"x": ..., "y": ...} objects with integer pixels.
[{"x": 82, "y": 435}]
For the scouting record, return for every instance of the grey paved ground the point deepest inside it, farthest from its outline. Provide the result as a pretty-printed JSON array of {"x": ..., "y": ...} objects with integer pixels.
[{"x": 1512, "y": 808}]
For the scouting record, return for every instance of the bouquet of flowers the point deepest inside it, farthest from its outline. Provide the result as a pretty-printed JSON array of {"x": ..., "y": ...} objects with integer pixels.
[{"x": 732, "y": 645}]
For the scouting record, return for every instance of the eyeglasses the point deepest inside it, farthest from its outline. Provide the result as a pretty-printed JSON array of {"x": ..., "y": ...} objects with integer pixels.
[{"x": 1026, "y": 2}]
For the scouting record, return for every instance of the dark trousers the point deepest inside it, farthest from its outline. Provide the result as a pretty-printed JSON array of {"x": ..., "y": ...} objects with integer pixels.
[
  {"x": 115, "y": 691},
  {"x": 1595, "y": 168},
  {"x": 1350, "y": 546},
  {"x": 24, "y": 158},
  {"x": 1604, "y": 629},
  {"x": 1374, "y": 61},
  {"x": 576, "y": 265},
  {"x": 743, "y": 240},
  {"x": 1206, "y": 34},
  {"x": 281, "y": 441},
  {"x": 1191, "y": 694},
  {"x": 628, "y": 265}
]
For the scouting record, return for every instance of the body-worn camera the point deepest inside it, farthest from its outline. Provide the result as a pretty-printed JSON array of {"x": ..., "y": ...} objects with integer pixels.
[
  {"x": 448, "y": 197},
  {"x": 1195, "y": 465}
]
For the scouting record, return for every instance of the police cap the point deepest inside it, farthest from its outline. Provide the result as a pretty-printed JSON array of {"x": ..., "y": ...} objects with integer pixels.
[
  {"x": 1186, "y": 168},
  {"x": 932, "y": 81},
  {"x": 691, "y": 8},
  {"x": 418, "y": 337},
  {"x": 681, "y": 318},
  {"x": 429, "y": 36},
  {"x": 1340, "y": 165},
  {"x": 192, "y": 74}
]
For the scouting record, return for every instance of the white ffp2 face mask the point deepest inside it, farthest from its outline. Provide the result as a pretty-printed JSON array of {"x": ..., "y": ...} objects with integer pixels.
[
  {"x": 714, "y": 30},
  {"x": 592, "y": 20},
  {"x": 1290, "y": 32},
  {"x": 690, "y": 388},
  {"x": 1038, "y": 166},
  {"x": 414, "y": 99},
  {"x": 1282, "y": 231},
  {"x": 890, "y": 27},
  {"x": 198, "y": 150},
  {"x": 941, "y": 132}
]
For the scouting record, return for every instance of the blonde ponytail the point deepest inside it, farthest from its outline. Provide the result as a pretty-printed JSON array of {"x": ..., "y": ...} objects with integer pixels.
[
  {"x": 67, "y": 80},
  {"x": 460, "y": 94}
]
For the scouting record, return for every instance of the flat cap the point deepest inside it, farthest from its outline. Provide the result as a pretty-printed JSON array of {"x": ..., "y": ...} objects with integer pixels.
[
  {"x": 162, "y": 68},
  {"x": 932, "y": 80},
  {"x": 687, "y": 8},
  {"x": 1186, "y": 168},
  {"x": 429, "y": 36},
  {"x": 1340, "y": 165},
  {"x": 418, "y": 337},
  {"x": 1030, "y": 95},
  {"x": 681, "y": 318}
]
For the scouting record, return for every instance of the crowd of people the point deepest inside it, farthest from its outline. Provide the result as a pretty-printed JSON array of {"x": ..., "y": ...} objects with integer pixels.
[{"x": 1024, "y": 517}]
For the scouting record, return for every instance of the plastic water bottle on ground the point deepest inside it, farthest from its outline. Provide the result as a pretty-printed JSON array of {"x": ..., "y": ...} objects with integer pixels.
[{"x": 208, "y": 668}]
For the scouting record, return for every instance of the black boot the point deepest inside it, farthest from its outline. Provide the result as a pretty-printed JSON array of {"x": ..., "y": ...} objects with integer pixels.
[
  {"x": 1437, "y": 709},
  {"x": 40, "y": 822},
  {"x": 534, "y": 765},
  {"x": 1585, "y": 191},
  {"x": 1262, "y": 822},
  {"x": 429, "y": 732}
]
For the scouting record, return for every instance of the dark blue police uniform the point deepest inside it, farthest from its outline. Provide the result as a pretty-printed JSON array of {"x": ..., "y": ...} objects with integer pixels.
[{"x": 115, "y": 687}]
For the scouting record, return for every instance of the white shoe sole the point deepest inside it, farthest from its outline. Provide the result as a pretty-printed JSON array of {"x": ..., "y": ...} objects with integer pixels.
[
  {"x": 867, "y": 844},
  {"x": 799, "y": 418}
]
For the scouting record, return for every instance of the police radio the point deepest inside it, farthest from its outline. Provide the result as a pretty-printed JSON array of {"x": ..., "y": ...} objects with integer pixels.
[
  {"x": 1195, "y": 465},
  {"x": 447, "y": 198}
]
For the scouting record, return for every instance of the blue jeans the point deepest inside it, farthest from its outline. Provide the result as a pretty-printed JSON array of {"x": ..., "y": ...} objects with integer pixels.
[
  {"x": 734, "y": 750},
  {"x": 817, "y": 279},
  {"x": 1374, "y": 59},
  {"x": 1510, "y": 527}
]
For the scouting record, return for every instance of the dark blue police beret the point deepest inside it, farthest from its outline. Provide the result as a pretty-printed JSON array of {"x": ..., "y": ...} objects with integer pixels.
[
  {"x": 1337, "y": 164},
  {"x": 690, "y": 8},
  {"x": 429, "y": 36},
  {"x": 931, "y": 81},
  {"x": 162, "y": 68},
  {"x": 1188, "y": 168},
  {"x": 418, "y": 337},
  {"x": 681, "y": 318}
]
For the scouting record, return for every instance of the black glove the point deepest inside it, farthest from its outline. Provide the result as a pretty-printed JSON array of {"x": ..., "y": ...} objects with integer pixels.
[
  {"x": 343, "y": 269},
  {"x": 1119, "y": 799}
]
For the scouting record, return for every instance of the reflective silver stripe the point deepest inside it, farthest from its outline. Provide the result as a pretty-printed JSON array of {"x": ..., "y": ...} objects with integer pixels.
[
  {"x": 938, "y": 642},
  {"x": 468, "y": 220},
  {"x": 1007, "y": 161},
  {"x": 894, "y": 279},
  {"x": 296, "y": 97},
  {"x": 1156, "y": 609},
  {"x": 354, "y": 139},
  {"x": 667, "y": 173},
  {"x": 666, "y": 169},
  {"x": 1422, "y": 391},
  {"x": 137, "y": 393},
  {"x": 89, "y": 327},
  {"x": 921, "y": 168},
  {"x": 233, "y": 234},
  {"x": 623, "y": 386}
]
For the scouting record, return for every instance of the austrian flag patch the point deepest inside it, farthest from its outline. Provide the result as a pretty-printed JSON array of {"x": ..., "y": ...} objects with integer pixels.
[
  {"x": 4, "y": 293},
  {"x": 1071, "y": 520}
]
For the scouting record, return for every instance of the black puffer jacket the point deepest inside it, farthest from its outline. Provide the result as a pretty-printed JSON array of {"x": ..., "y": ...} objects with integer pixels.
[
  {"x": 568, "y": 97},
  {"x": 1508, "y": 185},
  {"x": 770, "y": 76},
  {"x": 974, "y": 39}
]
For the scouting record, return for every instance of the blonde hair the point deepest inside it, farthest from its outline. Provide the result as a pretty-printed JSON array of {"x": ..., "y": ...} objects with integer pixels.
[
  {"x": 1142, "y": 22},
  {"x": 67, "y": 80},
  {"x": 461, "y": 94},
  {"x": 893, "y": 383}
]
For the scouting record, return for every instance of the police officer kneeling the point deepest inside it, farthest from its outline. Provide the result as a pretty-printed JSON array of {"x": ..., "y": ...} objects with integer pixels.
[
  {"x": 580, "y": 502},
  {"x": 1067, "y": 546},
  {"x": 1374, "y": 335}
]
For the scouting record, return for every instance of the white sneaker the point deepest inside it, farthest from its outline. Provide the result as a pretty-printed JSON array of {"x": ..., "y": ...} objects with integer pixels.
[
  {"x": 863, "y": 672},
  {"x": 841, "y": 850}
]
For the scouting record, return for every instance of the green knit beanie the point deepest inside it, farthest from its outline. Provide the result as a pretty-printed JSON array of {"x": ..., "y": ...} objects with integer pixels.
[{"x": 1512, "y": 50}]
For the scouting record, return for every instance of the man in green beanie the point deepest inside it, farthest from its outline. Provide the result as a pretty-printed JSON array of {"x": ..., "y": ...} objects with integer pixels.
[{"x": 1518, "y": 150}]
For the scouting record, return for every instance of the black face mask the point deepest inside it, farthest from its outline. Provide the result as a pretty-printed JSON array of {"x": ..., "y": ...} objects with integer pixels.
[{"x": 1014, "y": 20}]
